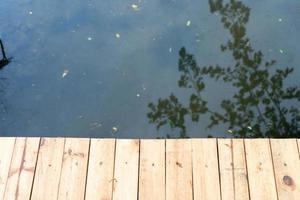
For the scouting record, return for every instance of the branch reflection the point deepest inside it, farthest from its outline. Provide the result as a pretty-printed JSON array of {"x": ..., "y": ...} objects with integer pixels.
[{"x": 262, "y": 106}]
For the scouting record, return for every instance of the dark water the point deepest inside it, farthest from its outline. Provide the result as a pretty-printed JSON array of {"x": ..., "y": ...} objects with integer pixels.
[{"x": 90, "y": 68}]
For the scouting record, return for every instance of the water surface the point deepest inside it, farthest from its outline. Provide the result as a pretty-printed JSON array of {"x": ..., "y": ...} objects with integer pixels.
[{"x": 90, "y": 68}]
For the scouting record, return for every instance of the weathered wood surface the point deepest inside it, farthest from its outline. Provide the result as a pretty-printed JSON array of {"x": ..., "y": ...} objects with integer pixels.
[
  {"x": 101, "y": 169},
  {"x": 179, "y": 176},
  {"x": 22, "y": 167},
  {"x": 152, "y": 170},
  {"x": 260, "y": 169},
  {"x": 105, "y": 169}
]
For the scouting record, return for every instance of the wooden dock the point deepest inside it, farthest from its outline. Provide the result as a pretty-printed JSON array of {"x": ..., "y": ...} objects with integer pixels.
[{"x": 184, "y": 169}]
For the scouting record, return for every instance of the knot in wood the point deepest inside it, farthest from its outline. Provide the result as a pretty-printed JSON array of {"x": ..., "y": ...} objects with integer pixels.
[{"x": 288, "y": 180}]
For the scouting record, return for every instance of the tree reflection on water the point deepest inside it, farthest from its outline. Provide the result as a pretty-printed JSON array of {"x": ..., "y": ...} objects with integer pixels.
[{"x": 262, "y": 106}]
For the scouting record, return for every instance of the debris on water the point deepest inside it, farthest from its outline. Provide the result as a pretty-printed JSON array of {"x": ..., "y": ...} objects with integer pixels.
[
  {"x": 144, "y": 88},
  {"x": 280, "y": 50},
  {"x": 279, "y": 20},
  {"x": 80, "y": 117},
  {"x": 32, "y": 84},
  {"x": 135, "y": 7},
  {"x": 188, "y": 23},
  {"x": 249, "y": 127},
  {"x": 95, "y": 125},
  {"x": 89, "y": 38},
  {"x": 30, "y": 12},
  {"x": 138, "y": 95},
  {"x": 229, "y": 131},
  {"x": 170, "y": 49},
  {"x": 65, "y": 73},
  {"x": 118, "y": 35},
  {"x": 114, "y": 129}
]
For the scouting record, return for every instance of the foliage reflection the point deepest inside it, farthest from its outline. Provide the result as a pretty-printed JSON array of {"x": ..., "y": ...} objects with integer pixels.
[{"x": 261, "y": 106}]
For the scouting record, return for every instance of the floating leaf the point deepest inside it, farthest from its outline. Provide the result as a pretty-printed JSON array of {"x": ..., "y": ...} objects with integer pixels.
[
  {"x": 135, "y": 7},
  {"x": 188, "y": 23},
  {"x": 65, "y": 73}
]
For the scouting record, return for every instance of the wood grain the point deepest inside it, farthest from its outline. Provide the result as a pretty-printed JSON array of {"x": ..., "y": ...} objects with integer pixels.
[
  {"x": 48, "y": 169},
  {"x": 286, "y": 166},
  {"x": 125, "y": 183},
  {"x": 226, "y": 168},
  {"x": 101, "y": 169},
  {"x": 74, "y": 169},
  {"x": 6, "y": 152},
  {"x": 179, "y": 181},
  {"x": 205, "y": 169},
  {"x": 126, "y": 169},
  {"x": 152, "y": 170},
  {"x": 260, "y": 169},
  {"x": 241, "y": 187},
  {"x": 22, "y": 169}
]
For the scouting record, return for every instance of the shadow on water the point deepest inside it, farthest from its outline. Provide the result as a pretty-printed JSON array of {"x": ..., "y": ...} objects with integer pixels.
[
  {"x": 4, "y": 61},
  {"x": 261, "y": 104}
]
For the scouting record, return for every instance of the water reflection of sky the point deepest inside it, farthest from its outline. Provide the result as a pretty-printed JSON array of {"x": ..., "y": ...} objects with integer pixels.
[{"x": 116, "y": 60}]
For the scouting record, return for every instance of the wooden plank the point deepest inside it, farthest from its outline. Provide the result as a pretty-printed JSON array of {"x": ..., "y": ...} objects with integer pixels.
[
  {"x": 298, "y": 145},
  {"x": 48, "y": 169},
  {"x": 100, "y": 169},
  {"x": 61, "y": 169},
  {"x": 179, "y": 181},
  {"x": 260, "y": 169},
  {"x": 241, "y": 187},
  {"x": 125, "y": 185},
  {"x": 22, "y": 169},
  {"x": 286, "y": 166},
  {"x": 298, "y": 142},
  {"x": 152, "y": 170},
  {"x": 6, "y": 152},
  {"x": 226, "y": 168},
  {"x": 74, "y": 169},
  {"x": 205, "y": 169}
]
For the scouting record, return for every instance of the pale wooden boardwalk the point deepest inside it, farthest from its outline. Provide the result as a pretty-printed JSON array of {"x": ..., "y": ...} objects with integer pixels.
[{"x": 105, "y": 169}]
